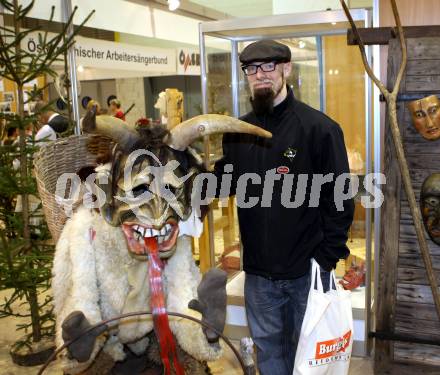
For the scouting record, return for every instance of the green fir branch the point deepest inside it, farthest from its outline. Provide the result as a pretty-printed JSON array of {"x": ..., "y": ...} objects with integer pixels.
[{"x": 25, "y": 11}]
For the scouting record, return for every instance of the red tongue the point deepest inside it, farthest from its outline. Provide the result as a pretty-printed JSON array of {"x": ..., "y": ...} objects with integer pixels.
[{"x": 157, "y": 304}]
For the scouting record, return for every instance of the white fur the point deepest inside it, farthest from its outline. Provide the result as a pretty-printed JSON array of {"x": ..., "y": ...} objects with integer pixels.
[
  {"x": 181, "y": 271},
  {"x": 98, "y": 277}
]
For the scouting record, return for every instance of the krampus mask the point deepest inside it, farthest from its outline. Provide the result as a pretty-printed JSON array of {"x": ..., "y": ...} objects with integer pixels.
[
  {"x": 148, "y": 173},
  {"x": 430, "y": 206}
]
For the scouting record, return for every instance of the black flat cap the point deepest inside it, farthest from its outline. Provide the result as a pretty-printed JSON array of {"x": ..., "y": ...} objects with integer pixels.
[{"x": 265, "y": 50}]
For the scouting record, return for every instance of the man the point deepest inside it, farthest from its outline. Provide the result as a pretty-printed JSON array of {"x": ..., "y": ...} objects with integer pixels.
[
  {"x": 115, "y": 109},
  {"x": 52, "y": 122},
  {"x": 278, "y": 239}
]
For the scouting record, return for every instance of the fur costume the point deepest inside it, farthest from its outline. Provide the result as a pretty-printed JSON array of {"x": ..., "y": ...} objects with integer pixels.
[
  {"x": 144, "y": 184},
  {"x": 94, "y": 273}
]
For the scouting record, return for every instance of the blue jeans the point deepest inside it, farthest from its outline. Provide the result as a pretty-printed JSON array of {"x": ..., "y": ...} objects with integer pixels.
[{"x": 275, "y": 311}]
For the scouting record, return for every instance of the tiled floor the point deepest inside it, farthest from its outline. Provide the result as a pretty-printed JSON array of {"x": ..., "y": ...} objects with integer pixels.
[{"x": 228, "y": 365}]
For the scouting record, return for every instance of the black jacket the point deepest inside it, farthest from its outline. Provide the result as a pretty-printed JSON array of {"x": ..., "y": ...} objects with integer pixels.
[{"x": 278, "y": 242}]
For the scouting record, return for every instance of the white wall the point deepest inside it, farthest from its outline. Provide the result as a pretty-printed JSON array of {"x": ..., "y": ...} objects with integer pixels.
[
  {"x": 296, "y": 6},
  {"x": 125, "y": 16},
  {"x": 129, "y": 91},
  {"x": 289, "y": 6}
]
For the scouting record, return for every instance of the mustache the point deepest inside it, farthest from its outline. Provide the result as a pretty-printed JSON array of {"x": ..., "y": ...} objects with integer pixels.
[{"x": 264, "y": 81}]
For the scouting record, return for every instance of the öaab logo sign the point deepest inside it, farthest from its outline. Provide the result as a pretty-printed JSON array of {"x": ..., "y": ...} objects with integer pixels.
[
  {"x": 331, "y": 350},
  {"x": 187, "y": 59}
]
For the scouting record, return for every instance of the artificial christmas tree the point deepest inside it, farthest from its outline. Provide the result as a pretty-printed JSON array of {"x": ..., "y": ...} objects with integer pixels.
[{"x": 26, "y": 250}]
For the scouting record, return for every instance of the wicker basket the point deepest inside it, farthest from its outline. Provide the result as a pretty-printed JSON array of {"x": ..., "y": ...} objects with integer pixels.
[{"x": 66, "y": 155}]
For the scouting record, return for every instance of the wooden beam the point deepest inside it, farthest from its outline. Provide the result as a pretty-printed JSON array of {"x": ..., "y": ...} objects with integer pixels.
[
  {"x": 204, "y": 257},
  {"x": 382, "y": 35},
  {"x": 389, "y": 241},
  {"x": 408, "y": 369}
]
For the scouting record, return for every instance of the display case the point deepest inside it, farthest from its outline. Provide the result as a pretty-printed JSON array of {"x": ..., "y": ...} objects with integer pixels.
[{"x": 327, "y": 75}]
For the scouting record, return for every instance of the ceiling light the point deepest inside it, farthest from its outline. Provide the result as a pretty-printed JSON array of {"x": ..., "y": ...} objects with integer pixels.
[
  {"x": 80, "y": 68},
  {"x": 173, "y": 4},
  {"x": 333, "y": 23},
  {"x": 301, "y": 44}
]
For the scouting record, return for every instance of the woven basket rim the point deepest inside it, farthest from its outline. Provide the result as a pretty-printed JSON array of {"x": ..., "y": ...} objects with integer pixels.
[{"x": 64, "y": 155}]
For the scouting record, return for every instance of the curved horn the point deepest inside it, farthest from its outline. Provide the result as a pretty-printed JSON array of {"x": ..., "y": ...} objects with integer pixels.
[
  {"x": 188, "y": 131},
  {"x": 110, "y": 126}
]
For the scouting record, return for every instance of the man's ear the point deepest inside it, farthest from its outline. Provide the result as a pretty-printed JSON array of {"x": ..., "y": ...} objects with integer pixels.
[{"x": 287, "y": 69}]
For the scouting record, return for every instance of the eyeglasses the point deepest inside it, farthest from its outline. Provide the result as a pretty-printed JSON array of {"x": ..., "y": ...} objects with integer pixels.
[{"x": 253, "y": 68}]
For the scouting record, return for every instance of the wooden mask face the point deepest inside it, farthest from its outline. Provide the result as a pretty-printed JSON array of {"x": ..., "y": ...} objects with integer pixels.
[
  {"x": 426, "y": 117},
  {"x": 430, "y": 206}
]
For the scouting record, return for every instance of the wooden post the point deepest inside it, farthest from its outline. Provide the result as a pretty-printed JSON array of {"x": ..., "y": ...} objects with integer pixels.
[
  {"x": 397, "y": 140},
  {"x": 229, "y": 229},
  {"x": 389, "y": 251},
  {"x": 204, "y": 257}
]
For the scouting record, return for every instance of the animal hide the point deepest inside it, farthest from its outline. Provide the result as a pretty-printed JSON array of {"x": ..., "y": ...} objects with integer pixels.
[{"x": 94, "y": 273}]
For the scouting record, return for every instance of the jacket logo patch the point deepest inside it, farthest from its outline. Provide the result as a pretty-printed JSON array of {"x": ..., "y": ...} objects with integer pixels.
[
  {"x": 290, "y": 153},
  {"x": 283, "y": 169}
]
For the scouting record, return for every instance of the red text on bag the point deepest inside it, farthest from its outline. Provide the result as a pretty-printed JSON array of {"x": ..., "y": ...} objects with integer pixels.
[{"x": 325, "y": 349}]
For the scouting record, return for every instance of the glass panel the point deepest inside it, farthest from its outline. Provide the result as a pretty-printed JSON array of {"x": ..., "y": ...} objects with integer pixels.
[
  {"x": 305, "y": 80},
  {"x": 218, "y": 52},
  {"x": 345, "y": 103},
  {"x": 247, "y": 29},
  {"x": 329, "y": 76},
  {"x": 226, "y": 241}
]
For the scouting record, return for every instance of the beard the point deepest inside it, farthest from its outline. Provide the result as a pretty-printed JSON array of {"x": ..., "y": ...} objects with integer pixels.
[{"x": 262, "y": 99}]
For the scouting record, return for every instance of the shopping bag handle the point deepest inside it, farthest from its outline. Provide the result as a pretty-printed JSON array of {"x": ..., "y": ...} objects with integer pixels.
[
  {"x": 316, "y": 277},
  {"x": 321, "y": 300},
  {"x": 332, "y": 283}
]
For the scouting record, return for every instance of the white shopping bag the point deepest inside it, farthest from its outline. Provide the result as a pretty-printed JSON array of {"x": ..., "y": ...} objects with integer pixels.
[{"x": 326, "y": 338}]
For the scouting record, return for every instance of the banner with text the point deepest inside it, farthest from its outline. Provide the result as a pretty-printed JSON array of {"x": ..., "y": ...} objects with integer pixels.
[{"x": 95, "y": 53}]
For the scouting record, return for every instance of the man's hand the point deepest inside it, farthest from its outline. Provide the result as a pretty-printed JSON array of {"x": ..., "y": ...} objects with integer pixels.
[
  {"x": 211, "y": 302},
  {"x": 73, "y": 326}
]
